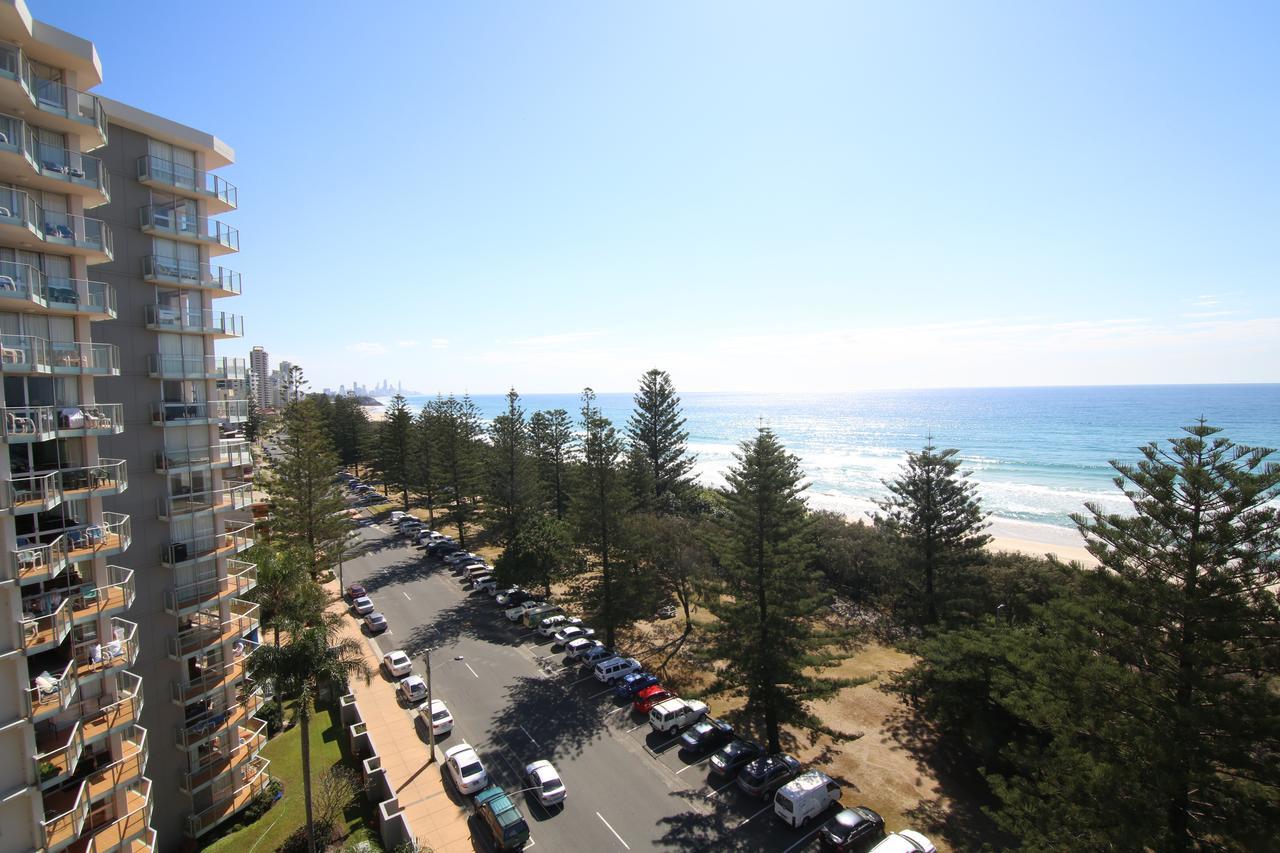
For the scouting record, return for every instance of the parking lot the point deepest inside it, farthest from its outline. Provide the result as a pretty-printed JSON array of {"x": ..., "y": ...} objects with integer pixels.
[{"x": 515, "y": 701}]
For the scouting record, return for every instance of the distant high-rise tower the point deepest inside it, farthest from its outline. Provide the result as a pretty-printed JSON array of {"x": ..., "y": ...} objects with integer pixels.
[{"x": 259, "y": 373}]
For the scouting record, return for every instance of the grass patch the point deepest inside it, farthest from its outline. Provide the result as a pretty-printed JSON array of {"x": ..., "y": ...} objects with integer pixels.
[{"x": 328, "y": 747}]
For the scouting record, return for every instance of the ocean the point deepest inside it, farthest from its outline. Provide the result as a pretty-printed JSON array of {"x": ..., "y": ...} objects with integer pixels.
[{"x": 1036, "y": 454}]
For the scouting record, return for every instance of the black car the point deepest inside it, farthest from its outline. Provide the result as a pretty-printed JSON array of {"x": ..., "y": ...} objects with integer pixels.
[
  {"x": 852, "y": 829},
  {"x": 706, "y": 735},
  {"x": 763, "y": 776},
  {"x": 519, "y": 597},
  {"x": 735, "y": 756}
]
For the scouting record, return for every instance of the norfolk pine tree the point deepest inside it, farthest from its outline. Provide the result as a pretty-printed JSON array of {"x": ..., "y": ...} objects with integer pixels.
[
  {"x": 541, "y": 551},
  {"x": 307, "y": 506},
  {"x": 511, "y": 479},
  {"x": 424, "y": 469},
  {"x": 457, "y": 445},
  {"x": 766, "y": 637},
  {"x": 551, "y": 437},
  {"x": 938, "y": 519},
  {"x": 394, "y": 442},
  {"x": 659, "y": 459}
]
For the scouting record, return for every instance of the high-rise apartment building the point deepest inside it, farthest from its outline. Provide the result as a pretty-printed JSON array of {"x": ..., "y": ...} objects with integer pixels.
[
  {"x": 259, "y": 376},
  {"x": 124, "y": 486}
]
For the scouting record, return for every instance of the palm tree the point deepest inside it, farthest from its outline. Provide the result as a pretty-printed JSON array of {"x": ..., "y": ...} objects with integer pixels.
[
  {"x": 316, "y": 655},
  {"x": 285, "y": 593}
]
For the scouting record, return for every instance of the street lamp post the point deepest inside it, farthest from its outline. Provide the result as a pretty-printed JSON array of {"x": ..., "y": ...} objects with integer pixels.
[{"x": 431, "y": 723}]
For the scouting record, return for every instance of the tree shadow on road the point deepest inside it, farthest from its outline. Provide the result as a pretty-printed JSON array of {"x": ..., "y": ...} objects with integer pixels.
[
  {"x": 472, "y": 618},
  {"x": 696, "y": 831},
  {"x": 405, "y": 571},
  {"x": 564, "y": 722}
]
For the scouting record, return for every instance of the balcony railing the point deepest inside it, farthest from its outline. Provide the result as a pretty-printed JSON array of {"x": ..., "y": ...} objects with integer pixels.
[
  {"x": 68, "y": 811},
  {"x": 171, "y": 222},
  {"x": 217, "y": 764},
  {"x": 241, "y": 577},
  {"x": 29, "y": 423},
  {"x": 39, "y": 423},
  {"x": 153, "y": 169},
  {"x": 127, "y": 770},
  {"x": 201, "y": 321},
  {"x": 37, "y": 561},
  {"x": 51, "y": 692},
  {"x": 205, "y": 629},
  {"x": 50, "y": 96},
  {"x": 123, "y": 706},
  {"x": 226, "y": 453},
  {"x": 230, "y": 498},
  {"x": 63, "y": 164},
  {"x": 116, "y": 595},
  {"x": 108, "y": 477},
  {"x": 217, "y": 410},
  {"x": 110, "y": 536},
  {"x": 166, "y": 366},
  {"x": 236, "y": 537},
  {"x": 215, "y": 677},
  {"x": 68, "y": 230},
  {"x": 27, "y": 493},
  {"x": 84, "y": 358},
  {"x": 252, "y": 779},
  {"x": 26, "y": 282},
  {"x": 221, "y": 714},
  {"x": 42, "y": 630},
  {"x": 120, "y": 649},
  {"x": 162, "y": 270},
  {"x": 24, "y": 354},
  {"x": 125, "y": 832},
  {"x": 58, "y": 749}
]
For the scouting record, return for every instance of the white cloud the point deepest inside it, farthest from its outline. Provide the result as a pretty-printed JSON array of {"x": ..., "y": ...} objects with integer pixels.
[
  {"x": 367, "y": 348},
  {"x": 439, "y": 343}
]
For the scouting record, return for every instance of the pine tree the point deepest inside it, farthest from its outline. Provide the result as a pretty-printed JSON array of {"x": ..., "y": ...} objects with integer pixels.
[
  {"x": 541, "y": 551},
  {"x": 660, "y": 461},
  {"x": 934, "y": 510},
  {"x": 766, "y": 634},
  {"x": 457, "y": 445},
  {"x": 253, "y": 423},
  {"x": 424, "y": 468},
  {"x": 511, "y": 481},
  {"x": 350, "y": 428},
  {"x": 393, "y": 448},
  {"x": 599, "y": 504},
  {"x": 551, "y": 438},
  {"x": 308, "y": 508}
]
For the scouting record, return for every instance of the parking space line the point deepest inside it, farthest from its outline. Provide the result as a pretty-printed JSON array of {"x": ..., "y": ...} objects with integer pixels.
[
  {"x": 658, "y": 750},
  {"x": 748, "y": 820},
  {"x": 616, "y": 710},
  {"x": 406, "y": 595},
  {"x": 529, "y": 736},
  {"x": 718, "y": 790},
  {"x": 641, "y": 726},
  {"x": 694, "y": 764},
  {"x": 810, "y": 834},
  {"x": 473, "y": 672},
  {"x": 614, "y": 831}
]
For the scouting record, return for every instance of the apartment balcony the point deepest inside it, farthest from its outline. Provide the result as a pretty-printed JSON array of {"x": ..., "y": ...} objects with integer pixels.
[
  {"x": 112, "y": 710},
  {"x": 51, "y": 692},
  {"x": 84, "y": 359},
  {"x": 57, "y": 751},
  {"x": 23, "y": 220},
  {"x": 24, "y": 355},
  {"x": 61, "y": 108},
  {"x": 24, "y": 424},
  {"x": 41, "y": 630},
  {"x": 106, "y": 538},
  {"x": 225, "y": 454},
  {"x": 233, "y": 497},
  {"x": 95, "y": 657},
  {"x": 205, "y": 277},
  {"x": 220, "y": 716},
  {"x": 217, "y": 764},
  {"x": 240, "y": 579},
  {"x": 164, "y": 366},
  {"x": 24, "y": 159},
  {"x": 251, "y": 780},
  {"x": 187, "y": 414},
  {"x": 126, "y": 771},
  {"x": 183, "y": 180},
  {"x": 172, "y": 224},
  {"x": 235, "y": 537},
  {"x": 218, "y": 677},
  {"x": 204, "y": 630},
  {"x": 108, "y": 477},
  {"x": 110, "y": 599},
  {"x": 194, "y": 321},
  {"x": 33, "y": 561},
  {"x": 128, "y": 832},
  {"x": 24, "y": 494},
  {"x": 23, "y": 287},
  {"x": 65, "y": 814}
]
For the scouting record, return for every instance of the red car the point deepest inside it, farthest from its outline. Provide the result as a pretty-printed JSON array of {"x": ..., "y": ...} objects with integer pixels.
[
  {"x": 650, "y": 696},
  {"x": 355, "y": 591}
]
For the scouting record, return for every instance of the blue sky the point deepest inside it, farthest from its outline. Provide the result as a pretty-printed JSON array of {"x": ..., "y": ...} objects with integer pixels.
[{"x": 789, "y": 196}]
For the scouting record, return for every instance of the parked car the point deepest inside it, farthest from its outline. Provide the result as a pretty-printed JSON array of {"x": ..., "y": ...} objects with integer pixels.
[
  {"x": 609, "y": 671},
  {"x": 356, "y": 591},
  {"x": 575, "y": 649},
  {"x": 572, "y": 632},
  {"x": 441, "y": 549},
  {"x": 458, "y": 558},
  {"x": 503, "y": 591},
  {"x": 413, "y": 689},
  {"x": 483, "y": 583},
  {"x": 501, "y": 818},
  {"x": 907, "y": 841},
  {"x": 549, "y": 626},
  {"x": 706, "y": 735},
  {"x": 629, "y": 685},
  {"x": 375, "y": 623},
  {"x": 804, "y": 798},
  {"x": 852, "y": 829},
  {"x": 765, "y": 775},
  {"x": 513, "y": 597},
  {"x": 470, "y": 570},
  {"x": 534, "y": 616},
  {"x": 546, "y": 782},
  {"x": 397, "y": 516},
  {"x": 466, "y": 768},
  {"x": 397, "y": 663},
  {"x": 436, "y": 715},
  {"x": 734, "y": 756},
  {"x": 595, "y": 654},
  {"x": 362, "y": 604},
  {"x": 516, "y": 613},
  {"x": 650, "y": 696},
  {"x": 674, "y": 714}
]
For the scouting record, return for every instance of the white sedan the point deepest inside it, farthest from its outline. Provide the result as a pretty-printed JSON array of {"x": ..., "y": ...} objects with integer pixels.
[
  {"x": 466, "y": 768},
  {"x": 437, "y": 716},
  {"x": 575, "y": 649},
  {"x": 413, "y": 689},
  {"x": 397, "y": 664},
  {"x": 362, "y": 605},
  {"x": 573, "y": 632},
  {"x": 545, "y": 782}
]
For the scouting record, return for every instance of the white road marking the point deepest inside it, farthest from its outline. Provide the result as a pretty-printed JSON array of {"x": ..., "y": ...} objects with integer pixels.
[
  {"x": 473, "y": 672},
  {"x": 811, "y": 833},
  {"x": 614, "y": 831},
  {"x": 694, "y": 764},
  {"x": 641, "y": 726},
  {"x": 406, "y": 595},
  {"x": 529, "y": 736},
  {"x": 721, "y": 788},
  {"x": 748, "y": 820},
  {"x": 664, "y": 747},
  {"x": 601, "y": 693},
  {"x": 617, "y": 710}
]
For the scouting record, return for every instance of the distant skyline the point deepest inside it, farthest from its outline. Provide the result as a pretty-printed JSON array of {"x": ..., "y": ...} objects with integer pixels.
[{"x": 824, "y": 196}]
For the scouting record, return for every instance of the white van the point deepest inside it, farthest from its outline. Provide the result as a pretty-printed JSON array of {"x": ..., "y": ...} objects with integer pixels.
[
  {"x": 676, "y": 714},
  {"x": 612, "y": 669},
  {"x": 907, "y": 841},
  {"x": 397, "y": 515},
  {"x": 805, "y": 797}
]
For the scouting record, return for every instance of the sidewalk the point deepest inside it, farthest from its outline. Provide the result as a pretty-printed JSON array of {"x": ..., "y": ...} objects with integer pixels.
[{"x": 437, "y": 822}]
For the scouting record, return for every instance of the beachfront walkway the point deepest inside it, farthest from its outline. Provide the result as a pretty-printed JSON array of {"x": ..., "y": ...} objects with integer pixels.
[{"x": 437, "y": 822}]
